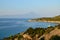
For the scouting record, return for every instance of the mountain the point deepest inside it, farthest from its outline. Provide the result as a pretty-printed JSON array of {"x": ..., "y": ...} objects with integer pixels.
[
  {"x": 30, "y": 15},
  {"x": 26, "y": 15}
]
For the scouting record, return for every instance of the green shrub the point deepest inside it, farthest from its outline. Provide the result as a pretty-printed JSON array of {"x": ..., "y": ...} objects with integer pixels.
[{"x": 55, "y": 37}]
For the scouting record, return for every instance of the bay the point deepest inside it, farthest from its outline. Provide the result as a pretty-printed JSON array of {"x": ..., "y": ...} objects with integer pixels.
[{"x": 12, "y": 26}]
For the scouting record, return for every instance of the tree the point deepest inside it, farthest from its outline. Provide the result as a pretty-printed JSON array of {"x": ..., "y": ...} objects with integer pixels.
[{"x": 30, "y": 30}]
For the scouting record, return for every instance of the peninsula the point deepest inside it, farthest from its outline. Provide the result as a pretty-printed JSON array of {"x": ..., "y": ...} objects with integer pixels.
[{"x": 55, "y": 19}]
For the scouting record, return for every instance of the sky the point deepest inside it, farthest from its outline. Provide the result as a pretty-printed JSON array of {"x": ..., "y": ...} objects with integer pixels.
[{"x": 20, "y": 7}]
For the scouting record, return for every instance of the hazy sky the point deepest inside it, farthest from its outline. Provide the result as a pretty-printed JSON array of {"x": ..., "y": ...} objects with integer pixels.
[{"x": 40, "y": 7}]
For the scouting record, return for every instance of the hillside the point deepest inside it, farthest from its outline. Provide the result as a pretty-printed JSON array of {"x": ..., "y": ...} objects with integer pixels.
[
  {"x": 55, "y": 19},
  {"x": 37, "y": 34},
  {"x": 54, "y": 32}
]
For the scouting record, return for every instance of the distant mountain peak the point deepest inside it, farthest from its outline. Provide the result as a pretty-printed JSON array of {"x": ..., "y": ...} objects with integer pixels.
[{"x": 30, "y": 15}]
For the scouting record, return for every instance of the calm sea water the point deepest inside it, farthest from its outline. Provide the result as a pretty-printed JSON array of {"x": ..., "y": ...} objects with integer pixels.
[{"x": 13, "y": 26}]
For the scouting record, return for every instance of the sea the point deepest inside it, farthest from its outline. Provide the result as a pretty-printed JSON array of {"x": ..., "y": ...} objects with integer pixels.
[{"x": 12, "y": 26}]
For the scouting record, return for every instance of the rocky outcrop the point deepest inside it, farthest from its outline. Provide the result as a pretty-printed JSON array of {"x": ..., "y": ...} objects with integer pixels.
[
  {"x": 26, "y": 36},
  {"x": 56, "y": 31}
]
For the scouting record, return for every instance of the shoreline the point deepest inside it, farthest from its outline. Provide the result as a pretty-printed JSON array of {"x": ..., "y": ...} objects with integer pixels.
[
  {"x": 23, "y": 36},
  {"x": 58, "y": 22}
]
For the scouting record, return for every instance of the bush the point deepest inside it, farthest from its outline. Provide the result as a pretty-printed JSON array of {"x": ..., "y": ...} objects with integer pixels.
[{"x": 55, "y": 37}]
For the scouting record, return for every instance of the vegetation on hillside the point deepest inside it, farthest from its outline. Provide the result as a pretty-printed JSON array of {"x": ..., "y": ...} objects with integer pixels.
[
  {"x": 55, "y": 37},
  {"x": 33, "y": 32},
  {"x": 19, "y": 37},
  {"x": 56, "y": 18}
]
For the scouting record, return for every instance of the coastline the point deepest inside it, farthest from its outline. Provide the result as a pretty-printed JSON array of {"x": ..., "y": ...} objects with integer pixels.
[
  {"x": 58, "y": 22},
  {"x": 27, "y": 35}
]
